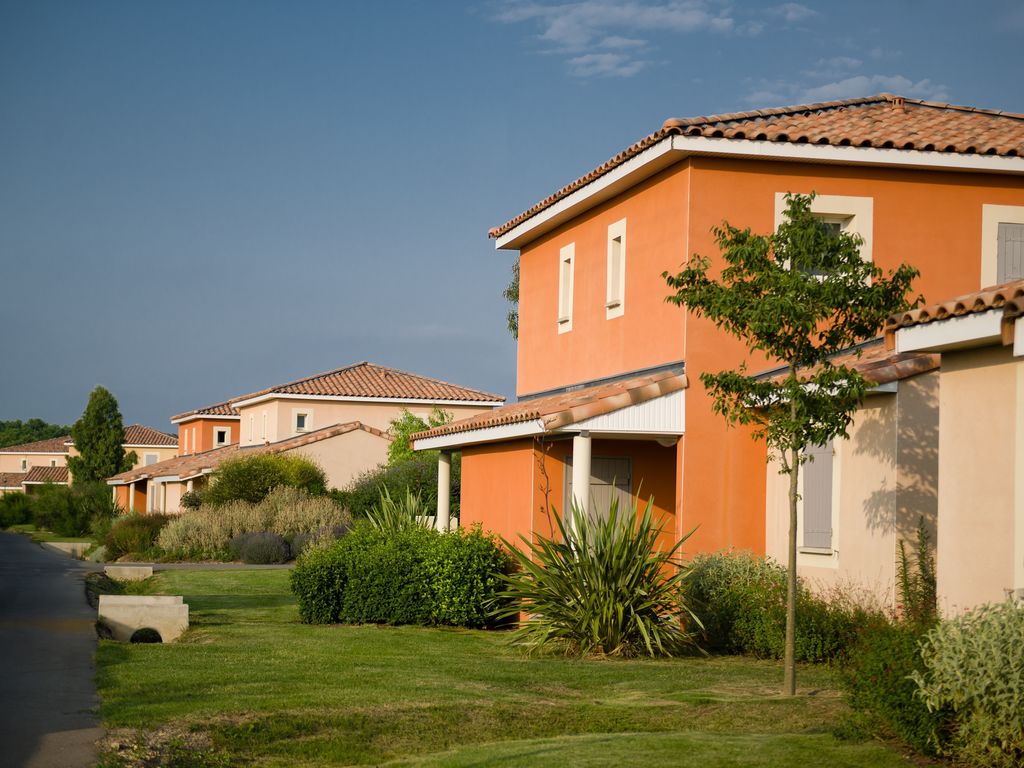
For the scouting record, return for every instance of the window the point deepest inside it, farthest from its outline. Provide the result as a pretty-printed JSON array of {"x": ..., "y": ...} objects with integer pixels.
[
  {"x": 615, "y": 298},
  {"x": 610, "y": 478},
  {"x": 817, "y": 499},
  {"x": 53, "y": 462},
  {"x": 252, "y": 429},
  {"x": 151, "y": 458},
  {"x": 841, "y": 213},
  {"x": 1002, "y": 243},
  {"x": 24, "y": 465},
  {"x": 1009, "y": 252},
  {"x": 221, "y": 436},
  {"x": 301, "y": 421},
  {"x": 184, "y": 441},
  {"x": 566, "y": 257},
  {"x": 263, "y": 432}
]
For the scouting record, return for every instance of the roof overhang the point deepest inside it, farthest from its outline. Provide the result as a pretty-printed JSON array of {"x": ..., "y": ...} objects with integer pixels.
[
  {"x": 975, "y": 330},
  {"x": 353, "y": 399},
  {"x": 207, "y": 416},
  {"x": 673, "y": 149}
]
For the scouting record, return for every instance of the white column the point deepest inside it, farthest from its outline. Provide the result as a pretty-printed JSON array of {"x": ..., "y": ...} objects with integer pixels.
[
  {"x": 581, "y": 470},
  {"x": 163, "y": 498},
  {"x": 444, "y": 489},
  {"x": 188, "y": 486},
  {"x": 131, "y": 497}
]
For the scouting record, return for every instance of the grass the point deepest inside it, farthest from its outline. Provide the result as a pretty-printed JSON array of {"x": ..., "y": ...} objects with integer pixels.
[
  {"x": 43, "y": 535},
  {"x": 250, "y": 684}
]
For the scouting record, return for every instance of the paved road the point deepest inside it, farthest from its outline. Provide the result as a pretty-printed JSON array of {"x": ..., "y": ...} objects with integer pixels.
[{"x": 47, "y": 688}]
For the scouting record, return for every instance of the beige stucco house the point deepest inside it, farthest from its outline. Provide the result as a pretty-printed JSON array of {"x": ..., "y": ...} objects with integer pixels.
[
  {"x": 861, "y": 496},
  {"x": 980, "y": 446}
]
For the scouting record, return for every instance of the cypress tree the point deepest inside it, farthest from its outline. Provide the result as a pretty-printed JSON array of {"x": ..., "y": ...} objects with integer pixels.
[{"x": 99, "y": 438}]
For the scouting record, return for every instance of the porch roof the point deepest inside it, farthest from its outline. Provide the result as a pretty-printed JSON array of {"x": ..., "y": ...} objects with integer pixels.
[{"x": 553, "y": 412}]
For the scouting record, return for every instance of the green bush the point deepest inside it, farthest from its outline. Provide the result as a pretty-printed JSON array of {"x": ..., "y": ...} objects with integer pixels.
[
  {"x": 259, "y": 548},
  {"x": 57, "y": 508},
  {"x": 740, "y": 600},
  {"x": 15, "y": 509},
  {"x": 412, "y": 576},
  {"x": 417, "y": 476},
  {"x": 252, "y": 478},
  {"x": 604, "y": 586},
  {"x": 135, "y": 535},
  {"x": 973, "y": 667},
  {"x": 398, "y": 514},
  {"x": 877, "y": 677}
]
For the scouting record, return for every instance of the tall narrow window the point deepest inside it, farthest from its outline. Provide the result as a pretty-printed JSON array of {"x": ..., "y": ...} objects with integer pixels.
[
  {"x": 817, "y": 498},
  {"x": 252, "y": 429},
  {"x": 615, "y": 298},
  {"x": 24, "y": 465},
  {"x": 1010, "y": 252},
  {"x": 566, "y": 257},
  {"x": 263, "y": 432}
]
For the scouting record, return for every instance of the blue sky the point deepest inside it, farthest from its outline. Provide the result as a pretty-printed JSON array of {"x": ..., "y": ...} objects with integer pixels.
[{"x": 199, "y": 199}]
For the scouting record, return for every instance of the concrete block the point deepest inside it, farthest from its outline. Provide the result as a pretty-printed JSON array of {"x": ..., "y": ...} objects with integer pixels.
[
  {"x": 123, "y": 615},
  {"x": 73, "y": 548},
  {"x": 129, "y": 572}
]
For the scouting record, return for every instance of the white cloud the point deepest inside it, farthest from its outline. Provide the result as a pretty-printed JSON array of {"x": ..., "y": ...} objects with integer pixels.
[
  {"x": 601, "y": 37},
  {"x": 866, "y": 85},
  {"x": 792, "y": 13}
]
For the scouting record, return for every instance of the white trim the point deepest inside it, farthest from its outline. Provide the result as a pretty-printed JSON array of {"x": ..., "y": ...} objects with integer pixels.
[
  {"x": 34, "y": 453},
  {"x": 665, "y": 415},
  {"x": 144, "y": 445},
  {"x": 991, "y": 217},
  {"x": 672, "y": 149},
  {"x": 354, "y": 399},
  {"x": 198, "y": 416},
  {"x": 483, "y": 435},
  {"x": 566, "y": 286},
  {"x": 165, "y": 479},
  {"x": 615, "y": 301},
  {"x": 308, "y": 427},
  {"x": 227, "y": 441},
  {"x": 951, "y": 333},
  {"x": 1018, "y": 338}
]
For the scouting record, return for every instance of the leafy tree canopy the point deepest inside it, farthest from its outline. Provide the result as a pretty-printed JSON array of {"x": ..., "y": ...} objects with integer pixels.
[
  {"x": 407, "y": 424},
  {"x": 17, "y": 431},
  {"x": 252, "y": 478},
  {"x": 99, "y": 439},
  {"x": 511, "y": 295},
  {"x": 801, "y": 295}
]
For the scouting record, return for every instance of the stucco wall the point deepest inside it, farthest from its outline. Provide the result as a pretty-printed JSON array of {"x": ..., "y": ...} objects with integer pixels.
[
  {"x": 196, "y": 435},
  {"x": 11, "y": 462},
  {"x": 885, "y": 482},
  {"x": 345, "y": 456},
  {"x": 982, "y": 392},
  {"x": 498, "y": 488}
]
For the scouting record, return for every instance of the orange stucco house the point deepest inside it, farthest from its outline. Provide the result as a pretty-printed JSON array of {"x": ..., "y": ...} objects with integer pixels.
[{"x": 609, "y": 395}]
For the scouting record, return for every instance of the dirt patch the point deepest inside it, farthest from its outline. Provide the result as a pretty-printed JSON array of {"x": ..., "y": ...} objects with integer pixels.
[{"x": 170, "y": 746}]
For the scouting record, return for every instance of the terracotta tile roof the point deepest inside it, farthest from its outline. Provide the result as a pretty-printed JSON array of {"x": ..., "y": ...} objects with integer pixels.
[
  {"x": 565, "y": 408},
  {"x": 39, "y": 475},
  {"x": 370, "y": 380},
  {"x": 1009, "y": 297},
  {"x": 218, "y": 409},
  {"x": 53, "y": 445},
  {"x": 878, "y": 364},
  {"x": 12, "y": 479},
  {"x": 193, "y": 465},
  {"x": 138, "y": 434},
  {"x": 883, "y": 121}
]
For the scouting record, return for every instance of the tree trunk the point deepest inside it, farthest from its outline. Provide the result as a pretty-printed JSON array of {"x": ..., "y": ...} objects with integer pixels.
[{"x": 789, "y": 681}]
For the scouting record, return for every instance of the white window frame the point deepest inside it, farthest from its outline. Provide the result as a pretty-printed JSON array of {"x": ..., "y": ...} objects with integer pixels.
[
  {"x": 308, "y": 413},
  {"x": 991, "y": 217},
  {"x": 263, "y": 430},
  {"x": 252, "y": 428},
  {"x": 856, "y": 214},
  {"x": 615, "y": 295},
  {"x": 217, "y": 431},
  {"x": 24, "y": 465},
  {"x": 53, "y": 462},
  {"x": 566, "y": 270},
  {"x": 147, "y": 456},
  {"x": 815, "y": 558}
]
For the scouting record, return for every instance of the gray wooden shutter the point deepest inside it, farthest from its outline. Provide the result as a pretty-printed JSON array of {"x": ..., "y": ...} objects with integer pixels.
[
  {"x": 817, "y": 496},
  {"x": 1010, "y": 253},
  {"x": 610, "y": 478}
]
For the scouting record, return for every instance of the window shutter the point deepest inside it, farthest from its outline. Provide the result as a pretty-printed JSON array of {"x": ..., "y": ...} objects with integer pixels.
[
  {"x": 1010, "y": 258},
  {"x": 817, "y": 497},
  {"x": 610, "y": 478}
]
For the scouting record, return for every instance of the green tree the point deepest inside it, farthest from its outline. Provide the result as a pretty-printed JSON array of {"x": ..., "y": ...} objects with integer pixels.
[
  {"x": 17, "y": 431},
  {"x": 800, "y": 296},
  {"x": 252, "y": 478},
  {"x": 511, "y": 295},
  {"x": 99, "y": 439},
  {"x": 407, "y": 424}
]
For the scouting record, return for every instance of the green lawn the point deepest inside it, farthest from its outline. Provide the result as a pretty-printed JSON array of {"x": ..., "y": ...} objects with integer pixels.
[
  {"x": 41, "y": 534},
  {"x": 249, "y": 684}
]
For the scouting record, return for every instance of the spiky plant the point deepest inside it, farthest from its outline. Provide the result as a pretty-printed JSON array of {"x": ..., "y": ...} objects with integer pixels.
[
  {"x": 603, "y": 586},
  {"x": 390, "y": 514}
]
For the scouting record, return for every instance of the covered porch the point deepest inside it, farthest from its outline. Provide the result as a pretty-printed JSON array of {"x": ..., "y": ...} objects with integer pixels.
[{"x": 523, "y": 463}]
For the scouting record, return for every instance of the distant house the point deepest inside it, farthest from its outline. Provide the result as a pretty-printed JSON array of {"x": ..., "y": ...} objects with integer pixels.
[
  {"x": 339, "y": 419},
  {"x": 46, "y": 461},
  {"x": 980, "y": 443},
  {"x": 610, "y": 397}
]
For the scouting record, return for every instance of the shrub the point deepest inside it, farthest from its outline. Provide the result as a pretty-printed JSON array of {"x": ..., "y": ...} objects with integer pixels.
[
  {"x": 293, "y": 510},
  {"x": 259, "y": 548},
  {"x": 916, "y": 581},
  {"x": 396, "y": 515},
  {"x": 412, "y": 576},
  {"x": 251, "y": 478},
  {"x": 417, "y": 476},
  {"x": 604, "y": 587},
  {"x": 191, "y": 500},
  {"x": 876, "y": 675},
  {"x": 15, "y": 509},
  {"x": 135, "y": 535},
  {"x": 740, "y": 600},
  {"x": 973, "y": 667},
  {"x": 57, "y": 508}
]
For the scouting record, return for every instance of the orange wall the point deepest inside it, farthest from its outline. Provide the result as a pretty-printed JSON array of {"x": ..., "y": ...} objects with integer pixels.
[
  {"x": 649, "y": 333},
  {"x": 124, "y": 493},
  {"x": 498, "y": 487},
  {"x": 202, "y": 430}
]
